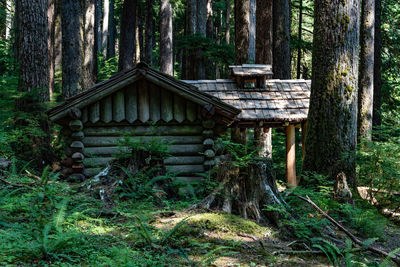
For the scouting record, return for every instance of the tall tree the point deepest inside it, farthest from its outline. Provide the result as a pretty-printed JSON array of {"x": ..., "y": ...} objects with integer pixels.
[
  {"x": 281, "y": 35},
  {"x": 189, "y": 71},
  {"x": 111, "y": 31},
  {"x": 149, "y": 39},
  {"x": 89, "y": 67},
  {"x": 264, "y": 32},
  {"x": 366, "y": 79},
  {"x": 242, "y": 24},
  {"x": 227, "y": 21},
  {"x": 252, "y": 32},
  {"x": 106, "y": 19},
  {"x": 127, "y": 44},
  {"x": 263, "y": 55},
  {"x": 51, "y": 21},
  {"x": 33, "y": 51},
  {"x": 166, "y": 56},
  {"x": 202, "y": 31},
  {"x": 331, "y": 137},
  {"x": 299, "y": 36},
  {"x": 97, "y": 24},
  {"x": 71, "y": 47},
  {"x": 376, "y": 118}
]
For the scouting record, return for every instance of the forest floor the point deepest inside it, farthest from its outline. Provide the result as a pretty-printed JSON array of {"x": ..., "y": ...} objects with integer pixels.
[{"x": 53, "y": 224}]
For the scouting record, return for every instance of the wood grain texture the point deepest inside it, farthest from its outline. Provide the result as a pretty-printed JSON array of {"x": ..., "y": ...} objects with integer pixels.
[
  {"x": 95, "y": 112},
  {"x": 106, "y": 109},
  {"x": 179, "y": 108},
  {"x": 143, "y": 103},
  {"x": 131, "y": 105},
  {"x": 155, "y": 103},
  {"x": 167, "y": 111},
  {"x": 119, "y": 106}
]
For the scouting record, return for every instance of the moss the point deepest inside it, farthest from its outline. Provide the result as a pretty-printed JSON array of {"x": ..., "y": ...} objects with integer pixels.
[{"x": 227, "y": 223}]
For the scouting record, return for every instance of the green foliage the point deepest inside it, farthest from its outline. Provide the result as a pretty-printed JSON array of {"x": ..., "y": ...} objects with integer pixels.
[
  {"x": 106, "y": 67},
  {"x": 379, "y": 168}
]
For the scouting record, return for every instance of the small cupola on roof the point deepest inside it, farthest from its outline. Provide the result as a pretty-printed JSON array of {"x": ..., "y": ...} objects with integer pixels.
[{"x": 249, "y": 76}]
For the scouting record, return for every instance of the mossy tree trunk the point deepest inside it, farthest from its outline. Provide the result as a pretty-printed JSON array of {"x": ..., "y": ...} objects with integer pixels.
[
  {"x": 376, "y": 118},
  {"x": 332, "y": 120},
  {"x": 166, "y": 52},
  {"x": 366, "y": 79}
]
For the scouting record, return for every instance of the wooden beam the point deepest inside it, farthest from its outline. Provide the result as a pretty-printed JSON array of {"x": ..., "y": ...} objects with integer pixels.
[
  {"x": 291, "y": 155},
  {"x": 303, "y": 137}
]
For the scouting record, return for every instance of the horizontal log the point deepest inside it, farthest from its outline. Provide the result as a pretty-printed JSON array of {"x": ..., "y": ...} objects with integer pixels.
[
  {"x": 172, "y": 149},
  {"x": 143, "y": 130},
  {"x": 92, "y": 141},
  {"x": 97, "y": 162},
  {"x": 185, "y": 169},
  {"x": 185, "y": 160}
]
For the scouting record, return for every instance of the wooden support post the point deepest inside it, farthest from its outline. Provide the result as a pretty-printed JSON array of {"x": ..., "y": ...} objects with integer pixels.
[
  {"x": 291, "y": 155},
  {"x": 303, "y": 137},
  {"x": 243, "y": 136},
  {"x": 263, "y": 141}
]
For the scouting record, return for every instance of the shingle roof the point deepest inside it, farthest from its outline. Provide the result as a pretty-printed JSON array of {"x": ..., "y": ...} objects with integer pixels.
[
  {"x": 280, "y": 101},
  {"x": 251, "y": 70}
]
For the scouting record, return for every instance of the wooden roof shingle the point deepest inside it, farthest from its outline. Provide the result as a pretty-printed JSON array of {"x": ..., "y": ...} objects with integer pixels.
[{"x": 281, "y": 101}]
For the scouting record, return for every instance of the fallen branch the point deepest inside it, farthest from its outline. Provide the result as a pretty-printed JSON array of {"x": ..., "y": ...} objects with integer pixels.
[
  {"x": 31, "y": 175},
  {"x": 13, "y": 184},
  {"x": 349, "y": 234},
  {"x": 296, "y": 252}
]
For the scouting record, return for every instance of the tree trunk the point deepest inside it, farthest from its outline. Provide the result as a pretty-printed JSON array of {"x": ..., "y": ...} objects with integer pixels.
[
  {"x": 140, "y": 27},
  {"x": 166, "y": 37},
  {"x": 111, "y": 32},
  {"x": 264, "y": 32},
  {"x": 148, "y": 53},
  {"x": 366, "y": 79},
  {"x": 51, "y": 20},
  {"x": 106, "y": 19},
  {"x": 202, "y": 31},
  {"x": 281, "y": 35},
  {"x": 97, "y": 25},
  {"x": 331, "y": 136},
  {"x": 376, "y": 118},
  {"x": 89, "y": 54},
  {"x": 33, "y": 51},
  {"x": 191, "y": 29},
  {"x": 58, "y": 38},
  {"x": 227, "y": 21},
  {"x": 299, "y": 37},
  {"x": 263, "y": 51},
  {"x": 242, "y": 24},
  {"x": 127, "y": 44},
  {"x": 252, "y": 32},
  {"x": 71, "y": 47}
]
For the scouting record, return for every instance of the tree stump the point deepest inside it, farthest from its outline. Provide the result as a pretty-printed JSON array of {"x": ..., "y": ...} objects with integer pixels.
[{"x": 245, "y": 191}]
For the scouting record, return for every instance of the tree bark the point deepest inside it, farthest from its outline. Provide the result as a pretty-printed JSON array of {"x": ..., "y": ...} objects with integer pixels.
[
  {"x": 191, "y": 29},
  {"x": 242, "y": 24},
  {"x": 58, "y": 37},
  {"x": 111, "y": 32},
  {"x": 106, "y": 19},
  {"x": 128, "y": 36},
  {"x": 252, "y": 32},
  {"x": 331, "y": 136},
  {"x": 376, "y": 118},
  {"x": 366, "y": 78},
  {"x": 202, "y": 31},
  {"x": 51, "y": 20},
  {"x": 166, "y": 37},
  {"x": 299, "y": 37},
  {"x": 97, "y": 25},
  {"x": 281, "y": 35},
  {"x": 71, "y": 47},
  {"x": 227, "y": 21},
  {"x": 33, "y": 51},
  {"x": 148, "y": 53},
  {"x": 264, "y": 32},
  {"x": 89, "y": 54},
  {"x": 140, "y": 27}
]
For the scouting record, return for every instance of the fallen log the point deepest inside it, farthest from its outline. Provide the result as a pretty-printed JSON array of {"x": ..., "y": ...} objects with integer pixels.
[{"x": 356, "y": 240}]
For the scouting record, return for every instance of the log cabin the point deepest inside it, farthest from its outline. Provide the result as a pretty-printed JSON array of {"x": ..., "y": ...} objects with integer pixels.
[{"x": 147, "y": 104}]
